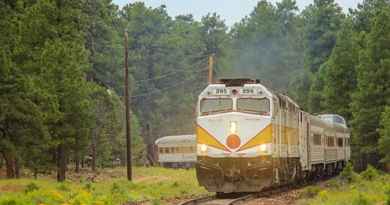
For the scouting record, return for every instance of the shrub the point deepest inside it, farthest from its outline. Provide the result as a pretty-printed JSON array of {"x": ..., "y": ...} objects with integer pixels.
[
  {"x": 348, "y": 174},
  {"x": 31, "y": 187},
  {"x": 63, "y": 187},
  {"x": 156, "y": 202},
  {"x": 387, "y": 192},
  {"x": 175, "y": 184},
  {"x": 9, "y": 202},
  {"x": 370, "y": 173},
  {"x": 116, "y": 188},
  {"x": 361, "y": 200},
  {"x": 88, "y": 186},
  {"x": 311, "y": 192}
]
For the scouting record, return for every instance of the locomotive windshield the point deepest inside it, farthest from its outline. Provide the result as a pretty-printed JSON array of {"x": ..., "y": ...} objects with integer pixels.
[
  {"x": 254, "y": 105},
  {"x": 216, "y": 105}
]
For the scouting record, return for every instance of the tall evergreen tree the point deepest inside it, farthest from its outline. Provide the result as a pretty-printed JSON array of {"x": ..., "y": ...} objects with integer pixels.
[
  {"x": 373, "y": 88},
  {"x": 384, "y": 140},
  {"x": 322, "y": 20},
  {"x": 266, "y": 44},
  {"x": 339, "y": 77}
]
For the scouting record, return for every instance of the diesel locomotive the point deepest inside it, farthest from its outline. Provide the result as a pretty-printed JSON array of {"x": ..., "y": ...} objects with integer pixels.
[{"x": 249, "y": 138}]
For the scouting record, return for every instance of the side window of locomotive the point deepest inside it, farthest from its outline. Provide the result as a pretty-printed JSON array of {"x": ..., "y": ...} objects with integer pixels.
[
  {"x": 317, "y": 139},
  {"x": 215, "y": 105},
  {"x": 254, "y": 105}
]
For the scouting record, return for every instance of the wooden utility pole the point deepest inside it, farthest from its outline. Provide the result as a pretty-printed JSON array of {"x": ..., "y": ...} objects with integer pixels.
[
  {"x": 211, "y": 65},
  {"x": 127, "y": 110}
]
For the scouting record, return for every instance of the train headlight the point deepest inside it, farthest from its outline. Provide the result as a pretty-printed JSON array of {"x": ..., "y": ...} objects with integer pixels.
[
  {"x": 233, "y": 127},
  {"x": 263, "y": 148},
  {"x": 203, "y": 148}
]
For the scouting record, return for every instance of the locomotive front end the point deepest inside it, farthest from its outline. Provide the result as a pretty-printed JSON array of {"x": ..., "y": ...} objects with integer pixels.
[{"x": 234, "y": 137}]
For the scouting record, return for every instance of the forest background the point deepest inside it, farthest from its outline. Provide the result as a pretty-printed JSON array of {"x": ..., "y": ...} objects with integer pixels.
[{"x": 61, "y": 74}]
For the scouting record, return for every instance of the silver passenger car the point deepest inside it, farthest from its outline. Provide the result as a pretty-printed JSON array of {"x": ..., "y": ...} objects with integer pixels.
[{"x": 178, "y": 151}]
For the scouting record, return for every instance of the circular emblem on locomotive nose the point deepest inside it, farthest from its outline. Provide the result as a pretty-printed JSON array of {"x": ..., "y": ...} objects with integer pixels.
[{"x": 233, "y": 141}]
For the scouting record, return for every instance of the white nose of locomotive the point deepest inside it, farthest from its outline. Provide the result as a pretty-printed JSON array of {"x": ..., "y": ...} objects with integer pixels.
[
  {"x": 234, "y": 134},
  {"x": 234, "y": 121}
]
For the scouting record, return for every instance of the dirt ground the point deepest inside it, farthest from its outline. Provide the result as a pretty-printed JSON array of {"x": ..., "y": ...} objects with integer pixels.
[{"x": 284, "y": 198}]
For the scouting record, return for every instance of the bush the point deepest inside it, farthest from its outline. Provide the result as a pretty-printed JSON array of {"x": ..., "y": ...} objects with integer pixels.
[
  {"x": 387, "y": 192},
  {"x": 88, "y": 186},
  {"x": 311, "y": 192},
  {"x": 156, "y": 202},
  {"x": 175, "y": 184},
  {"x": 31, "y": 187},
  {"x": 9, "y": 202},
  {"x": 63, "y": 187},
  {"x": 370, "y": 173},
  {"x": 348, "y": 174},
  {"x": 361, "y": 200}
]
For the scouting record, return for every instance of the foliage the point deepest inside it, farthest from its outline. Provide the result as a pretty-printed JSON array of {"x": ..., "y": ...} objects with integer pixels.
[
  {"x": 310, "y": 192},
  {"x": 31, "y": 187},
  {"x": 339, "y": 76},
  {"x": 384, "y": 141},
  {"x": 152, "y": 184},
  {"x": 358, "y": 192},
  {"x": 322, "y": 21},
  {"x": 371, "y": 95},
  {"x": 61, "y": 73},
  {"x": 266, "y": 44},
  {"x": 348, "y": 174},
  {"x": 370, "y": 173}
]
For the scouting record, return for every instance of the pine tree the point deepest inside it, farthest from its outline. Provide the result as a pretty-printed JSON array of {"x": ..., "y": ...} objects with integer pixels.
[
  {"x": 373, "y": 88},
  {"x": 384, "y": 140},
  {"x": 322, "y": 20},
  {"x": 339, "y": 77}
]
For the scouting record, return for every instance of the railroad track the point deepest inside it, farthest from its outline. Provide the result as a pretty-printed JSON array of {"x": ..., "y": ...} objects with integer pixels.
[
  {"x": 214, "y": 200},
  {"x": 235, "y": 199}
]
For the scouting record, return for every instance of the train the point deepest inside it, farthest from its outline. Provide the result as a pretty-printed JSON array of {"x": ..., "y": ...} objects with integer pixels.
[
  {"x": 176, "y": 151},
  {"x": 249, "y": 138}
]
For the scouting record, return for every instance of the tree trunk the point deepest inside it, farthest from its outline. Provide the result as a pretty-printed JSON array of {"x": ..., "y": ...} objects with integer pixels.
[
  {"x": 17, "y": 168},
  {"x": 61, "y": 163},
  {"x": 35, "y": 173},
  {"x": 93, "y": 149},
  {"x": 77, "y": 161},
  {"x": 9, "y": 164},
  {"x": 93, "y": 161}
]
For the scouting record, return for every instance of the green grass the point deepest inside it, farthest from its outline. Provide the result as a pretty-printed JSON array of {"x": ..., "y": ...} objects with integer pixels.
[
  {"x": 362, "y": 191},
  {"x": 151, "y": 184}
]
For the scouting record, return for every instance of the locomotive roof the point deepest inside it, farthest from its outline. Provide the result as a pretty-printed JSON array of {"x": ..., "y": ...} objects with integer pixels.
[
  {"x": 176, "y": 139},
  {"x": 231, "y": 82}
]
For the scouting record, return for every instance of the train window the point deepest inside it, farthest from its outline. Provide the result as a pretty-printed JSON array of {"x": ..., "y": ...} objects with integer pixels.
[
  {"x": 254, "y": 105},
  {"x": 340, "y": 142},
  {"x": 215, "y": 105},
  {"x": 330, "y": 142},
  {"x": 317, "y": 139}
]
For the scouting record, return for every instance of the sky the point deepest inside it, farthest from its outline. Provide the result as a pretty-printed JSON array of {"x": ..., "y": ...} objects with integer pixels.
[{"x": 230, "y": 10}]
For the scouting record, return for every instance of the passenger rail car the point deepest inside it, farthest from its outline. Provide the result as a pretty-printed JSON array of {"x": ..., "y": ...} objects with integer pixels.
[
  {"x": 250, "y": 138},
  {"x": 177, "y": 151}
]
